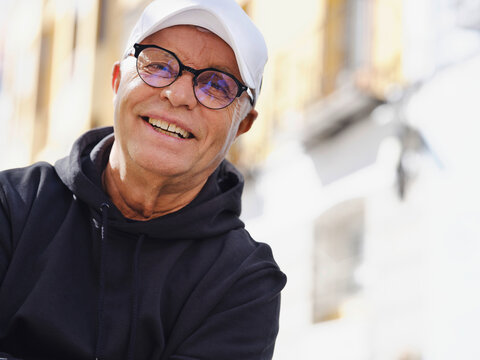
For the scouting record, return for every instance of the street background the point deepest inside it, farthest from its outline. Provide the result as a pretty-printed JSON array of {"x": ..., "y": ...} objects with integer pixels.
[{"x": 361, "y": 171}]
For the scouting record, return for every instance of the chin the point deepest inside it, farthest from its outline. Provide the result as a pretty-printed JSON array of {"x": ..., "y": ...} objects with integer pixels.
[{"x": 166, "y": 167}]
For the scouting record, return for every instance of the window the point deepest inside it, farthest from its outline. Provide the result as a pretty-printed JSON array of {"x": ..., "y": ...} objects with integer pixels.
[
  {"x": 345, "y": 41},
  {"x": 339, "y": 236}
]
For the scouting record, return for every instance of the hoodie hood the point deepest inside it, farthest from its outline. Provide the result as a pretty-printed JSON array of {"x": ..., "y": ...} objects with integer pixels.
[{"x": 213, "y": 212}]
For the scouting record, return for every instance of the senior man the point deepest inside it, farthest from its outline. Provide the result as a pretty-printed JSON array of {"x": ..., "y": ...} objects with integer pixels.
[{"x": 132, "y": 246}]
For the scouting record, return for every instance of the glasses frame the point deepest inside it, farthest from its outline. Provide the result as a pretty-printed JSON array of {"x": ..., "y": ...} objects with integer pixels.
[{"x": 196, "y": 72}]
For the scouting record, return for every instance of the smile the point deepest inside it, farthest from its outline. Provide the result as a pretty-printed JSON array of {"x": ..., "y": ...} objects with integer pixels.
[{"x": 168, "y": 129}]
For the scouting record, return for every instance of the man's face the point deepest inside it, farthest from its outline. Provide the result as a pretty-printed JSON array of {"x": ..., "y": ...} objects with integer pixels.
[{"x": 138, "y": 105}]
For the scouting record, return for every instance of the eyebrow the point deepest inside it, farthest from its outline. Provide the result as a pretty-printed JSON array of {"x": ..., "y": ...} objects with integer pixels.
[
  {"x": 226, "y": 69},
  {"x": 221, "y": 68}
]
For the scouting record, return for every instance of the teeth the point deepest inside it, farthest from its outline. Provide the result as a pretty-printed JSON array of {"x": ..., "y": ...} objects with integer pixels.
[
  {"x": 172, "y": 129},
  {"x": 168, "y": 133}
]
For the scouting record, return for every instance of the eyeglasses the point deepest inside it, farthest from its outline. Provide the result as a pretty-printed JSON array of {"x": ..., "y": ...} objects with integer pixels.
[{"x": 213, "y": 88}]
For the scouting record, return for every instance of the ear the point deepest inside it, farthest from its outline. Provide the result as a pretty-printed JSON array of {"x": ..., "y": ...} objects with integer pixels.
[
  {"x": 247, "y": 122},
  {"x": 116, "y": 76}
]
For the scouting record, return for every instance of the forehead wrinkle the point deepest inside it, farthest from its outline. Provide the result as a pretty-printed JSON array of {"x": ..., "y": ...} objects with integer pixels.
[
  {"x": 210, "y": 61},
  {"x": 205, "y": 54}
]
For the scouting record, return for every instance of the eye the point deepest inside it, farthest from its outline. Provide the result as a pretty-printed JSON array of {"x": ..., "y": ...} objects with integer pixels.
[
  {"x": 213, "y": 86},
  {"x": 216, "y": 90},
  {"x": 217, "y": 85},
  {"x": 160, "y": 69},
  {"x": 158, "y": 63}
]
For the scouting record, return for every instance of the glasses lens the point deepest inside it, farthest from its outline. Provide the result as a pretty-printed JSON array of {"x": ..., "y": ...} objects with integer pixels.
[
  {"x": 215, "y": 89},
  {"x": 157, "y": 67}
]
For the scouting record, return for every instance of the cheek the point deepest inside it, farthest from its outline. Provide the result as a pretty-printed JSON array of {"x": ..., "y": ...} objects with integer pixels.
[
  {"x": 226, "y": 135},
  {"x": 234, "y": 114},
  {"x": 129, "y": 81},
  {"x": 125, "y": 122},
  {"x": 226, "y": 123},
  {"x": 129, "y": 95}
]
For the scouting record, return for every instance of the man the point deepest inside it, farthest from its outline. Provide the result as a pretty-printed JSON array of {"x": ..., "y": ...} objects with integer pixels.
[{"x": 132, "y": 247}]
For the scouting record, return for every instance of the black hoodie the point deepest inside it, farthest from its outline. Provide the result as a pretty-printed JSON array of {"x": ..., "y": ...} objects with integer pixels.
[{"x": 80, "y": 281}]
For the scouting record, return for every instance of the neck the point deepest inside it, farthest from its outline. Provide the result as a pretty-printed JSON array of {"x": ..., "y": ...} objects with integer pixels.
[{"x": 144, "y": 196}]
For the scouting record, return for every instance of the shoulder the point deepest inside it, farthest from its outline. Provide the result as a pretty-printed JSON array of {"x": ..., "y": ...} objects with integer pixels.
[
  {"x": 21, "y": 187},
  {"x": 31, "y": 175},
  {"x": 246, "y": 263},
  {"x": 240, "y": 245},
  {"x": 225, "y": 263},
  {"x": 236, "y": 301},
  {"x": 28, "y": 180}
]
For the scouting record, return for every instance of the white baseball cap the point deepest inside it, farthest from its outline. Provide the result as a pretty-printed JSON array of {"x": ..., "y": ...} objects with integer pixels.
[{"x": 225, "y": 18}]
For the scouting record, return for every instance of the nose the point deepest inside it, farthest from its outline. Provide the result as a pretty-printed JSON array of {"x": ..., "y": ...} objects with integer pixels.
[{"x": 180, "y": 92}]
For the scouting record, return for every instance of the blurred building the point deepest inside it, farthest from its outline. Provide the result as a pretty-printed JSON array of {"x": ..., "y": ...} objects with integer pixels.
[
  {"x": 57, "y": 58},
  {"x": 363, "y": 190}
]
